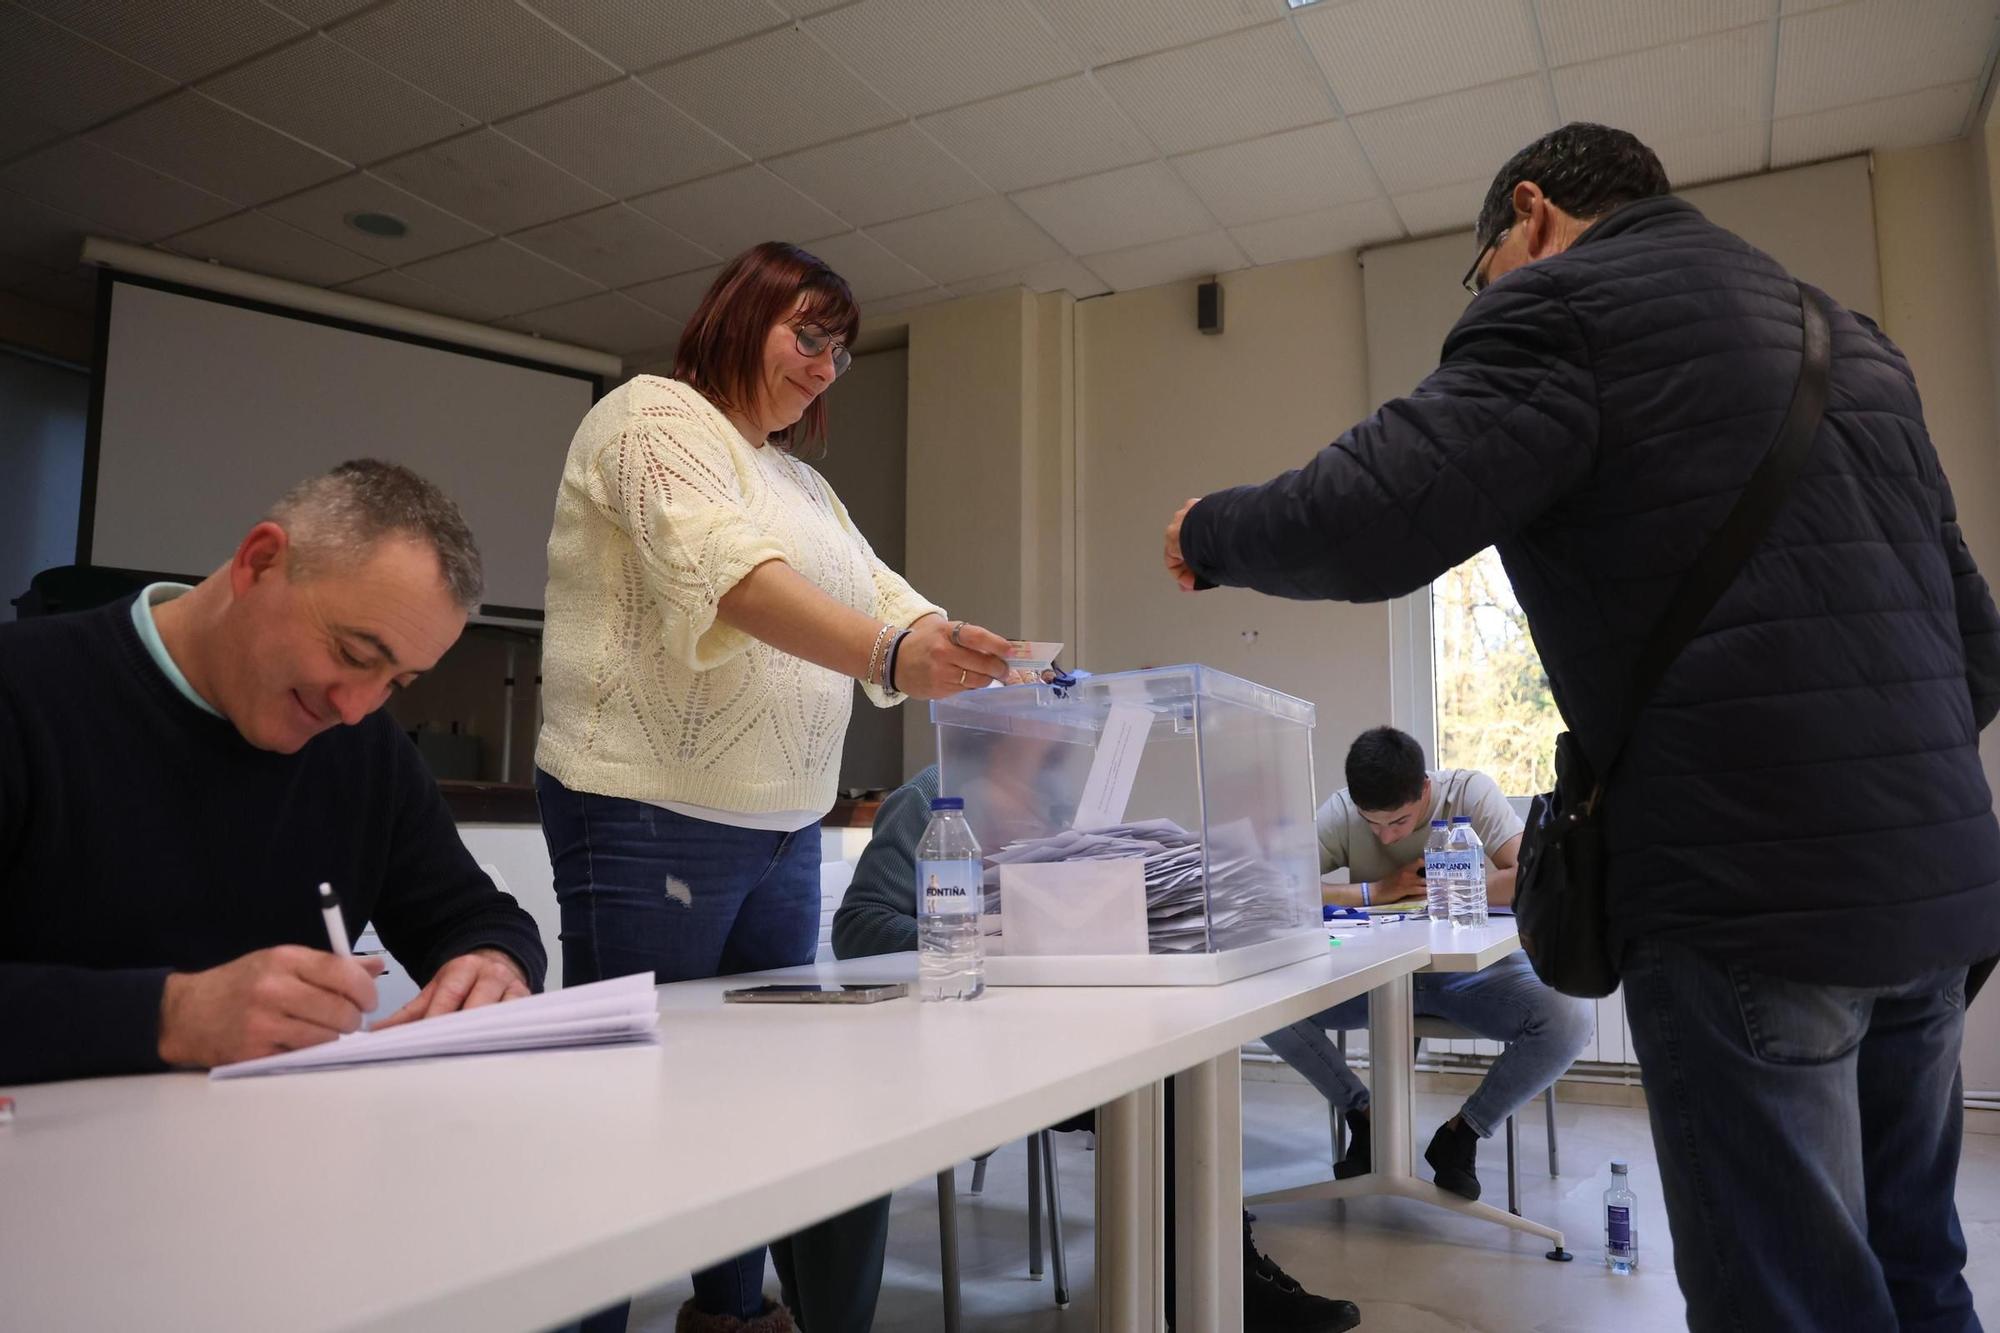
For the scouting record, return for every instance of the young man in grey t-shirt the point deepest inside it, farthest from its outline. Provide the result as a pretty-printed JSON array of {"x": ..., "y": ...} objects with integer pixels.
[{"x": 1375, "y": 830}]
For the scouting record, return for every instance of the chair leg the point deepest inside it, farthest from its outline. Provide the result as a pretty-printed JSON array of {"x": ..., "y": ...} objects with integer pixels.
[
  {"x": 1555, "y": 1168},
  {"x": 1513, "y": 1167},
  {"x": 1058, "y": 1257},
  {"x": 947, "y": 1188},
  {"x": 1035, "y": 1206},
  {"x": 979, "y": 1174},
  {"x": 1335, "y": 1127}
]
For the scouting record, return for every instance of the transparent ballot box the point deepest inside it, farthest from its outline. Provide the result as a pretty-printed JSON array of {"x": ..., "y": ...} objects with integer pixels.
[{"x": 1147, "y": 828}]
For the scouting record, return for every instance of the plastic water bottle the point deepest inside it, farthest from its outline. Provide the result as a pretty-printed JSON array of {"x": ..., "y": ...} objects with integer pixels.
[
  {"x": 1437, "y": 881},
  {"x": 951, "y": 961},
  {"x": 1467, "y": 855},
  {"x": 1621, "y": 1233}
]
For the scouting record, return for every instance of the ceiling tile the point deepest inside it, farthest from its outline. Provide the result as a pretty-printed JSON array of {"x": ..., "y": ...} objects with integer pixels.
[
  {"x": 884, "y": 174},
  {"x": 924, "y": 55},
  {"x": 617, "y": 246},
  {"x": 205, "y": 143},
  {"x": 1322, "y": 232},
  {"x": 321, "y": 92},
  {"x": 870, "y": 270},
  {"x": 1298, "y": 171},
  {"x": 411, "y": 293},
  {"x": 822, "y": 100},
  {"x": 1674, "y": 92},
  {"x": 1055, "y": 132},
  {"x": 1103, "y": 31},
  {"x": 262, "y": 244},
  {"x": 47, "y": 236},
  {"x": 737, "y": 209},
  {"x": 624, "y": 139},
  {"x": 63, "y": 81},
  {"x": 801, "y": 9},
  {"x": 1880, "y": 48},
  {"x": 318, "y": 13},
  {"x": 1710, "y": 157},
  {"x": 489, "y": 179},
  {"x": 1116, "y": 208},
  {"x": 638, "y": 34},
  {"x": 916, "y": 300},
  {"x": 489, "y": 57},
  {"x": 982, "y": 236},
  {"x": 1443, "y": 208},
  {"x": 1379, "y": 53},
  {"x": 501, "y": 278},
  {"x": 1574, "y": 31},
  {"x": 1224, "y": 89},
  {"x": 675, "y": 297},
  {"x": 324, "y": 211},
  {"x": 607, "y": 321},
  {"x": 22, "y": 129},
  {"x": 77, "y": 176},
  {"x": 1801, "y": 6},
  {"x": 1066, "y": 274},
  {"x": 182, "y": 39},
  {"x": 1930, "y": 116},
  {"x": 1456, "y": 137},
  {"x": 1168, "y": 261}
]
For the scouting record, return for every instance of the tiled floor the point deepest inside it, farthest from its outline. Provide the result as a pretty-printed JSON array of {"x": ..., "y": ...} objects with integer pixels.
[{"x": 1412, "y": 1269}]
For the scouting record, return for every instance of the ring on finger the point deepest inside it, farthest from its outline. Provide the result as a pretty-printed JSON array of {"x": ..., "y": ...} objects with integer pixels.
[
  {"x": 957, "y": 627},
  {"x": 961, "y": 675}
]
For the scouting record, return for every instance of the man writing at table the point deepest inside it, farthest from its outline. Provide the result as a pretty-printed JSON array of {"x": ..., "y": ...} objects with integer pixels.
[
  {"x": 1376, "y": 828},
  {"x": 180, "y": 770}
]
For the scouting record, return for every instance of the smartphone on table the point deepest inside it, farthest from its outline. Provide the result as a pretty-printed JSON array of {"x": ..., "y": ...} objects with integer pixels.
[{"x": 817, "y": 993}]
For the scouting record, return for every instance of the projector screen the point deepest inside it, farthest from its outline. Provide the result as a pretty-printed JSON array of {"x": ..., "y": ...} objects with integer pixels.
[{"x": 211, "y": 407}]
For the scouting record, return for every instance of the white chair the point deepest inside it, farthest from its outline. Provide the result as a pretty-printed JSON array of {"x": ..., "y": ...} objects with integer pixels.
[{"x": 1437, "y": 1029}]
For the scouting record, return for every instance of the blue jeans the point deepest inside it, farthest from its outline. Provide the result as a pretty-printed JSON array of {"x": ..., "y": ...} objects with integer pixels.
[
  {"x": 1544, "y": 1031},
  {"x": 1808, "y": 1140},
  {"x": 647, "y": 890}
]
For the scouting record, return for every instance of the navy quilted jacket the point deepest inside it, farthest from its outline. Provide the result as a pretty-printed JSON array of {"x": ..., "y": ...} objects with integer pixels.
[{"x": 1803, "y": 792}]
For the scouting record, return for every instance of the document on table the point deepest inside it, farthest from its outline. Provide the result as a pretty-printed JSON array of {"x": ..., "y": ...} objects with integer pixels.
[{"x": 603, "y": 1013}]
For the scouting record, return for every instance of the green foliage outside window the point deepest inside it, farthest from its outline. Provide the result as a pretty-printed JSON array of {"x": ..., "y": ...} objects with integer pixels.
[{"x": 1494, "y": 710}]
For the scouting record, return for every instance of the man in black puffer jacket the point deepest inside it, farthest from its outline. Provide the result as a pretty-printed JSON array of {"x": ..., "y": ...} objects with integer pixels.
[{"x": 1803, "y": 853}]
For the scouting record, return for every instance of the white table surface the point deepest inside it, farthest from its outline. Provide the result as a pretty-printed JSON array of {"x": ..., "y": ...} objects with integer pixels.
[{"x": 516, "y": 1191}]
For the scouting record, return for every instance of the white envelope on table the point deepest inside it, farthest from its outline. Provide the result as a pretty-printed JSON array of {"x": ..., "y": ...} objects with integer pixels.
[{"x": 1072, "y": 907}]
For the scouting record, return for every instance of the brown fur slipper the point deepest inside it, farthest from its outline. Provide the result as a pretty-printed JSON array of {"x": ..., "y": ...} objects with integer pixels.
[{"x": 775, "y": 1319}]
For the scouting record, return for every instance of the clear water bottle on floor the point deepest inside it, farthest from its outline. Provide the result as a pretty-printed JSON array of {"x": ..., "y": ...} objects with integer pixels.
[
  {"x": 1468, "y": 873},
  {"x": 1621, "y": 1229},
  {"x": 951, "y": 961},
  {"x": 1437, "y": 881}
]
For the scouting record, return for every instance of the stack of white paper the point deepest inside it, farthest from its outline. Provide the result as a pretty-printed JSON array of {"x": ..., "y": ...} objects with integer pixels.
[
  {"x": 1241, "y": 889},
  {"x": 625, "y": 1009}
]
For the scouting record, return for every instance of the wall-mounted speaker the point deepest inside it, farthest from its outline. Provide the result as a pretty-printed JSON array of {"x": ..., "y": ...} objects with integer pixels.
[{"x": 1208, "y": 307}]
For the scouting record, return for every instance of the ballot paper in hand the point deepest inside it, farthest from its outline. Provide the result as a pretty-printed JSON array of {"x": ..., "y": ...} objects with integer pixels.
[{"x": 603, "y": 1013}]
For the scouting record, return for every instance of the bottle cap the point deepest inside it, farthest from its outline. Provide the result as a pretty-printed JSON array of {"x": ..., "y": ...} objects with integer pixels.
[
  {"x": 948, "y": 803},
  {"x": 1438, "y": 823},
  {"x": 1461, "y": 819},
  {"x": 1618, "y": 1166}
]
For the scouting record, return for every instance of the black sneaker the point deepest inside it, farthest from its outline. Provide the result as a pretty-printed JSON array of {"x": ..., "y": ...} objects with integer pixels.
[
  {"x": 1274, "y": 1302},
  {"x": 1454, "y": 1157},
  {"x": 1359, "y": 1156}
]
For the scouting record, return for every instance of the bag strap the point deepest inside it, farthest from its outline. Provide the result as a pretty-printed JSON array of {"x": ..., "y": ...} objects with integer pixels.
[{"x": 1733, "y": 543}]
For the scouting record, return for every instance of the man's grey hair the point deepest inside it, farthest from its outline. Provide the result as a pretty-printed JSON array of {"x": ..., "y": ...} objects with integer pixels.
[{"x": 337, "y": 519}]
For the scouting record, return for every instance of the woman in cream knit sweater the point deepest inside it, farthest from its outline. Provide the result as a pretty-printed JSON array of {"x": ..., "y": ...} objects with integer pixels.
[{"x": 710, "y": 605}]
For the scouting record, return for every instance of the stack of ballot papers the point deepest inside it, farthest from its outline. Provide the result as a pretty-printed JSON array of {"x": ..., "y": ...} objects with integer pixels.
[
  {"x": 604, "y": 1013},
  {"x": 1243, "y": 895}
]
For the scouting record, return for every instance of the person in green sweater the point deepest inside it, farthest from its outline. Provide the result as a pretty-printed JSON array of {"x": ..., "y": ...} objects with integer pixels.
[{"x": 878, "y": 914}]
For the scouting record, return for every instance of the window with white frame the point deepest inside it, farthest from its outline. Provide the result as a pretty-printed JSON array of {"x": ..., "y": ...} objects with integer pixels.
[{"x": 1493, "y": 708}]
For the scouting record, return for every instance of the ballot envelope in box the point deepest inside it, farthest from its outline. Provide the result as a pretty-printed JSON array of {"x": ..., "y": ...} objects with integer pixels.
[{"x": 1146, "y": 828}]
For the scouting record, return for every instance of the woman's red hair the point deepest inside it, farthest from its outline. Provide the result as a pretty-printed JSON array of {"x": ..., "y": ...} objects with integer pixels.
[{"x": 721, "y": 352}]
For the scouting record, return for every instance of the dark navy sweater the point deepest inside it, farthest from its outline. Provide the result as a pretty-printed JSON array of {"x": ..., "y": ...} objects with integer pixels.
[
  {"x": 141, "y": 835},
  {"x": 1803, "y": 793}
]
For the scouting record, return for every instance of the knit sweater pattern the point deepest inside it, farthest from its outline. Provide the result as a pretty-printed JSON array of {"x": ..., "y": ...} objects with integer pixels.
[{"x": 664, "y": 506}]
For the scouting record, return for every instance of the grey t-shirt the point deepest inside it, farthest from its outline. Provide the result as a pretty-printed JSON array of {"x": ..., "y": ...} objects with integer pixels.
[{"x": 1346, "y": 840}]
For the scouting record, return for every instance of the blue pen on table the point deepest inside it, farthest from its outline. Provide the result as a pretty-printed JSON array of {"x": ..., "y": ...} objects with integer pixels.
[{"x": 336, "y": 925}]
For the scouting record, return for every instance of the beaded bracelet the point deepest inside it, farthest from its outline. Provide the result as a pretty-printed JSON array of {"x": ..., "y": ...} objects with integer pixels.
[{"x": 876, "y": 653}]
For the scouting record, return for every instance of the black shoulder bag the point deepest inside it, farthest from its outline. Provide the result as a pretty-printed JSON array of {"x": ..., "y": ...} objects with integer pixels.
[{"x": 1559, "y": 886}]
